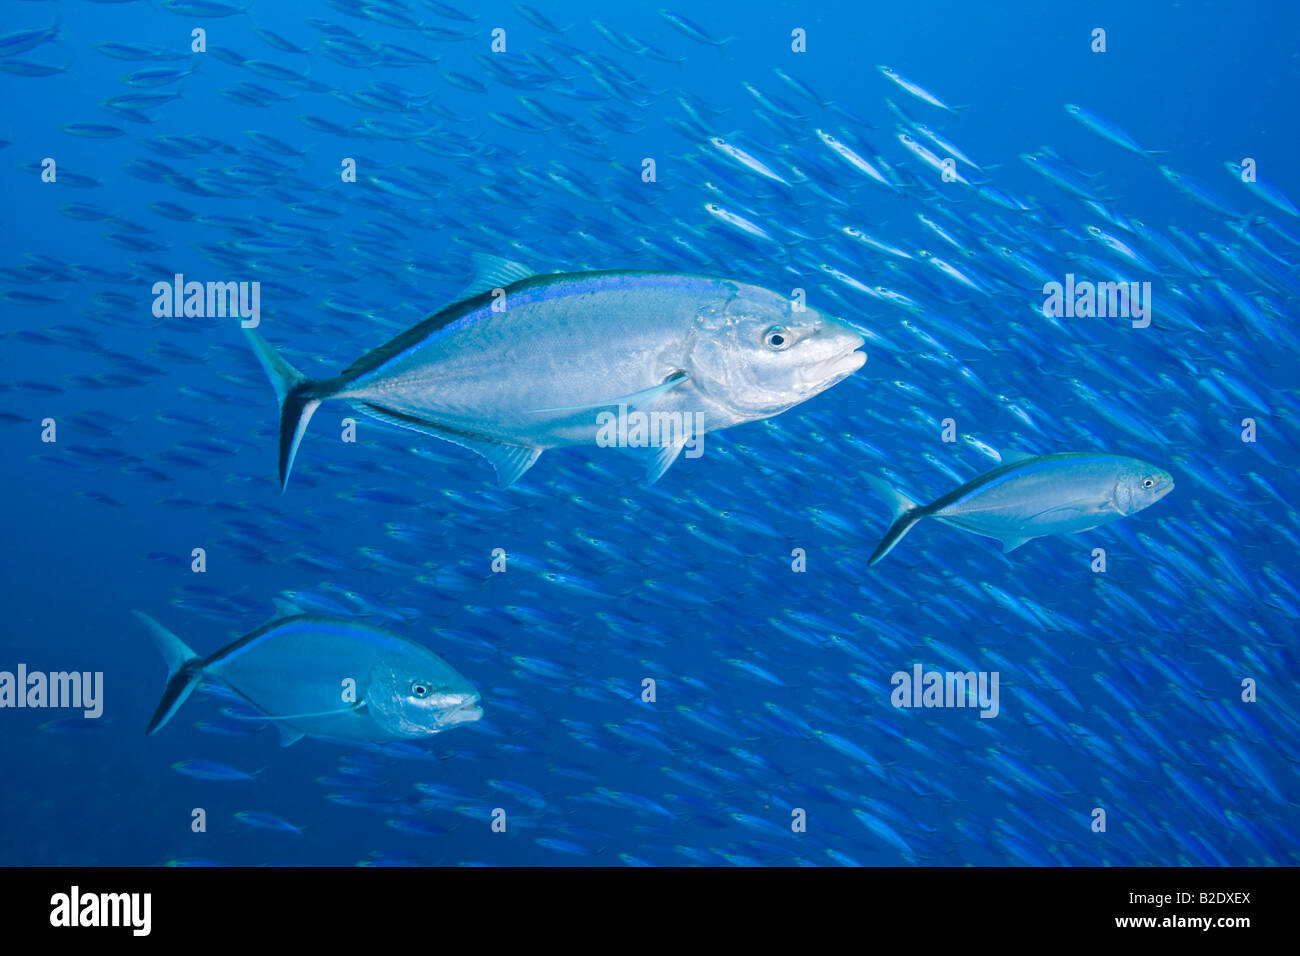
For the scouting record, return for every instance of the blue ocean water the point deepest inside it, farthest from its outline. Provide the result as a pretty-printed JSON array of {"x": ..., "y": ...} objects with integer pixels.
[{"x": 1161, "y": 691}]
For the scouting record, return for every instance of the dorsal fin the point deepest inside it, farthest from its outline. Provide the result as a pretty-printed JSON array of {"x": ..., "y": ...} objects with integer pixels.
[
  {"x": 1011, "y": 457},
  {"x": 494, "y": 272},
  {"x": 285, "y": 608}
]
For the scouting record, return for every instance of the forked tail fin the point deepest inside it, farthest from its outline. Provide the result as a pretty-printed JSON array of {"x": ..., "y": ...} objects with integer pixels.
[
  {"x": 906, "y": 513},
  {"x": 183, "y": 672},
  {"x": 298, "y": 397}
]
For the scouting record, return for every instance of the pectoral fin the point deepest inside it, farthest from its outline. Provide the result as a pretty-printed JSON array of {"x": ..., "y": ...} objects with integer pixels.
[
  {"x": 1072, "y": 510},
  {"x": 1010, "y": 544},
  {"x": 633, "y": 400},
  {"x": 291, "y": 735}
]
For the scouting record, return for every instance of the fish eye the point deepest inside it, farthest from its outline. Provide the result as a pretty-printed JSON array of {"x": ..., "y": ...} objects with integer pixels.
[
  {"x": 776, "y": 338},
  {"x": 419, "y": 690},
  {"x": 1148, "y": 482}
]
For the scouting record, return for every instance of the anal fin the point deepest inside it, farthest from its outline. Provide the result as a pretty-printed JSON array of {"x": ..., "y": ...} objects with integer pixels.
[
  {"x": 661, "y": 459},
  {"x": 509, "y": 459}
]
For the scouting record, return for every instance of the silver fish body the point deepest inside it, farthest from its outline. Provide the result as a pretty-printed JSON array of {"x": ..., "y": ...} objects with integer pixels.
[
  {"x": 324, "y": 677},
  {"x": 529, "y": 363},
  {"x": 1029, "y": 496}
]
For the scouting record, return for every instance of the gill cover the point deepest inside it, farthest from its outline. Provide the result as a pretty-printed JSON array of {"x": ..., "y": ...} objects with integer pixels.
[
  {"x": 391, "y": 703},
  {"x": 415, "y": 701}
]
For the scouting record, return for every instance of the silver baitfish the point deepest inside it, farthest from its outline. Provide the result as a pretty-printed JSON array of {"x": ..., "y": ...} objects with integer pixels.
[
  {"x": 294, "y": 669},
  {"x": 531, "y": 362},
  {"x": 1029, "y": 496}
]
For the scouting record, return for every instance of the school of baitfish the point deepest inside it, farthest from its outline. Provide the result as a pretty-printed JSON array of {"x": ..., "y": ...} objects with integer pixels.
[{"x": 868, "y": 207}]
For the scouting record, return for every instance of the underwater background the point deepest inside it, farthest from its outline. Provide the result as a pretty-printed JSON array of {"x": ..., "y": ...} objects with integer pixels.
[{"x": 739, "y": 582}]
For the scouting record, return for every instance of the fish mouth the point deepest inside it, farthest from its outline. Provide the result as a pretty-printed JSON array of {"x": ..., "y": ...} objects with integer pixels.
[
  {"x": 826, "y": 373},
  {"x": 848, "y": 363},
  {"x": 463, "y": 714},
  {"x": 1164, "y": 490}
]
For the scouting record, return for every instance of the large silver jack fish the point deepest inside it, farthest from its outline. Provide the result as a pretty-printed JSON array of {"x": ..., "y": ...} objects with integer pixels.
[
  {"x": 294, "y": 669},
  {"x": 1029, "y": 496},
  {"x": 530, "y": 362}
]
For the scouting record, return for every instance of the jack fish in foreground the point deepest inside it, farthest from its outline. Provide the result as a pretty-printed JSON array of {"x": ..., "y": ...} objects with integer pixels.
[
  {"x": 1029, "y": 496},
  {"x": 292, "y": 669},
  {"x": 569, "y": 349}
]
